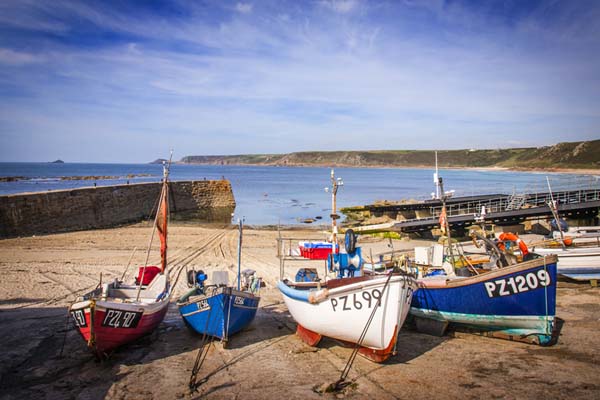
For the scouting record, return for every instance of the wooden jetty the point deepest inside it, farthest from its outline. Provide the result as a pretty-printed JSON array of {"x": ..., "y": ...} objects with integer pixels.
[{"x": 499, "y": 209}]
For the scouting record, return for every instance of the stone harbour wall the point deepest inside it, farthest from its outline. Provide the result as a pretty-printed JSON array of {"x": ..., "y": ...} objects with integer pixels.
[{"x": 107, "y": 206}]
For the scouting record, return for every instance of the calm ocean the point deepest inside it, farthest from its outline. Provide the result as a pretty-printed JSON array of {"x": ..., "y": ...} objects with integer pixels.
[{"x": 269, "y": 195}]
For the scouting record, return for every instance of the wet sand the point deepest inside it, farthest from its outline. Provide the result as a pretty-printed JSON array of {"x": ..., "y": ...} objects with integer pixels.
[{"x": 42, "y": 275}]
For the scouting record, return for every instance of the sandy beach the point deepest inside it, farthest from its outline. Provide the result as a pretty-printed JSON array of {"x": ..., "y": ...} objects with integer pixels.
[{"x": 43, "y": 357}]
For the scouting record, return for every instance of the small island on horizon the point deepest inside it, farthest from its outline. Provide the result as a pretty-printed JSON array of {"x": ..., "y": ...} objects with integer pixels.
[{"x": 59, "y": 161}]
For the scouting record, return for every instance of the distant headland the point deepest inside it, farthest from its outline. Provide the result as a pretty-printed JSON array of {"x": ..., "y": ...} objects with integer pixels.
[
  {"x": 59, "y": 161},
  {"x": 563, "y": 156}
]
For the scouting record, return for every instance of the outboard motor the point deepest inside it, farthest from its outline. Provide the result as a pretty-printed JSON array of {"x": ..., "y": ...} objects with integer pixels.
[
  {"x": 250, "y": 281},
  {"x": 196, "y": 279}
]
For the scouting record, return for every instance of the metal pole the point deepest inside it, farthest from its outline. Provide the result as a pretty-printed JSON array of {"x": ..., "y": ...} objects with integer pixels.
[
  {"x": 554, "y": 209},
  {"x": 239, "y": 254},
  {"x": 436, "y": 179},
  {"x": 333, "y": 212},
  {"x": 446, "y": 222}
]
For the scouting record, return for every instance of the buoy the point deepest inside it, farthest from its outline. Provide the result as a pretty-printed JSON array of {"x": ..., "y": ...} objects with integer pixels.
[{"x": 508, "y": 236}]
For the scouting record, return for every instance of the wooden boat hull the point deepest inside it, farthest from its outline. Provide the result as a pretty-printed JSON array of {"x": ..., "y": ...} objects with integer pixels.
[
  {"x": 341, "y": 311},
  {"x": 519, "y": 300},
  {"x": 106, "y": 326},
  {"x": 220, "y": 314}
]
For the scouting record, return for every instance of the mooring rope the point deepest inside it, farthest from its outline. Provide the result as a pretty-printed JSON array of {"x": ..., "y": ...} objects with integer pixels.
[
  {"x": 341, "y": 382},
  {"x": 205, "y": 343},
  {"x": 546, "y": 294}
]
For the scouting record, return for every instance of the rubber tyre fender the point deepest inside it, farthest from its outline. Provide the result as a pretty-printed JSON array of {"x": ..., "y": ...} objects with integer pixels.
[{"x": 191, "y": 278}]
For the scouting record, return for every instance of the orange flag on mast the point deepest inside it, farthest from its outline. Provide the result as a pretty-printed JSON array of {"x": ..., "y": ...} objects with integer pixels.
[
  {"x": 443, "y": 220},
  {"x": 161, "y": 225}
]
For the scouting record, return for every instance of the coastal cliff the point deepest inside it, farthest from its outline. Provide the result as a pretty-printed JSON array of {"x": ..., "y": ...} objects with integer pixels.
[
  {"x": 572, "y": 155},
  {"x": 108, "y": 206}
]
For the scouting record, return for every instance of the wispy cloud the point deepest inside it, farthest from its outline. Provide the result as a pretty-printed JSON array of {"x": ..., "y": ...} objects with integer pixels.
[
  {"x": 114, "y": 82},
  {"x": 244, "y": 8},
  {"x": 15, "y": 58},
  {"x": 340, "y": 6}
]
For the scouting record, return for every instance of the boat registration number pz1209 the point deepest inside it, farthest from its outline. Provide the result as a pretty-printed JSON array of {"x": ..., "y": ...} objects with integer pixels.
[
  {"x": 357, "y": 301},
  {"x": 121, "y": 319},
  {"x": 517, "y": 284}
]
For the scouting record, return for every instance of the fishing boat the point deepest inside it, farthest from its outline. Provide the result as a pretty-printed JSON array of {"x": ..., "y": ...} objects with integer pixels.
[
  {"x": 116, "y": 313},
  {"x": 578, "y": 253},
  {"x": 513, "y": 296},
  {"x": 578, "y": 249},
  {"x": 220, "y": 310},
  {"x": 517, "y": 301},
  {"x": 366, "y": 311}
]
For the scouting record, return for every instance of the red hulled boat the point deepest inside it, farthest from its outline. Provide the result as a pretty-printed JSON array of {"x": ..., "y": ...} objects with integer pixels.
[{"x": 115, "y": 313}]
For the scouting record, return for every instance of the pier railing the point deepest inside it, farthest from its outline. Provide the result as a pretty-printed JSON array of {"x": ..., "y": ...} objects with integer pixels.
[
  {"x": 559, "y": 183},
  {"x": 517, "y": 202}
]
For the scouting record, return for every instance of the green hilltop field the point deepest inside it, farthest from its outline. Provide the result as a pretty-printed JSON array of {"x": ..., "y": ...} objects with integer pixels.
[{"x": 571, "y": 155}]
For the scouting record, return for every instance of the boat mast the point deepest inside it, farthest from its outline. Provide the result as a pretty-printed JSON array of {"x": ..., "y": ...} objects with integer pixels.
[
  {"x": 335, "y": 184},
  {"x": 554, "y": 210},
  {"x": 446, "y": 223},
  {"x": 163, "y": 208},
  {"x": 436, "y": 179},
  {"x": 240, "y": 224}
]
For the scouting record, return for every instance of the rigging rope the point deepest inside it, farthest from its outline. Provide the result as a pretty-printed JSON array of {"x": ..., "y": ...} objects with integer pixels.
[
  {"x": 205, "y": 344},
  {"x": 341, "y": 383}
]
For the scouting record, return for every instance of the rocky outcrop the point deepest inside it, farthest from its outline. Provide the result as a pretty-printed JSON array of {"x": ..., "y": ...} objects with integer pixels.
[{"x": 108, "y": 206}]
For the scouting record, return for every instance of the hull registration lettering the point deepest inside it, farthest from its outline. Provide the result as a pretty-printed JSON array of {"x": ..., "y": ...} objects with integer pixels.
[
  {"x": 121, "y": 319},
  {"x": 357, "y": 301},
  {"x": 517, "y": 284},
  {"x": 79, "y": 318}
]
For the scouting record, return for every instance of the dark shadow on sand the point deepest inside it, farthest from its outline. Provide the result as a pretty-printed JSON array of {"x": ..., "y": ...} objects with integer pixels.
[{"x": 22, "y": 301}]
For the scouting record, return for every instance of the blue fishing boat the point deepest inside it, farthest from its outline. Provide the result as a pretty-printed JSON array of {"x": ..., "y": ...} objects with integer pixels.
[
  {"x": 218, "y": 309},
  {"x": 513, "y": 297},
  {"x": 517, "y": 301}
]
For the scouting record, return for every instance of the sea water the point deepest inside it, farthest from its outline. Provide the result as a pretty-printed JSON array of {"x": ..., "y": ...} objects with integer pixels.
[{"x": 290, "y": 195}]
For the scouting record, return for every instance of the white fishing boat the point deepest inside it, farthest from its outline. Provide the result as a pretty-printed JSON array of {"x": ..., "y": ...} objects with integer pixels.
[
  {"x": 366, "y": 311},
  {"x": 578, "y": 249},
  {"x": 578, "y": 252}
]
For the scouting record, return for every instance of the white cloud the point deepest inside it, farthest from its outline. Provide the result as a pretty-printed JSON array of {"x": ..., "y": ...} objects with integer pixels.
[
  {"x": 16, "y": 58},
  {"x": 340, "y": 6},
  {"x": 244, "y": 8}
]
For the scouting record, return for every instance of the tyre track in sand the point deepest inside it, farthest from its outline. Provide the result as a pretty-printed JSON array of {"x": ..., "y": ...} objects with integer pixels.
[{"x": 186, "y": 256}]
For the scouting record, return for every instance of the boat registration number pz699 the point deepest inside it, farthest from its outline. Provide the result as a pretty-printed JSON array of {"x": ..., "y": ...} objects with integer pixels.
[
  {"x": 357, "y": 301},
  {"x": 517, "y": 284},
  {"x": 121, "y": 319}
]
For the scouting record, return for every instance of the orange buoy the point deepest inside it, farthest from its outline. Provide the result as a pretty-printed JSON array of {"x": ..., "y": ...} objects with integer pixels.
[{"x": 508, "y": 236}]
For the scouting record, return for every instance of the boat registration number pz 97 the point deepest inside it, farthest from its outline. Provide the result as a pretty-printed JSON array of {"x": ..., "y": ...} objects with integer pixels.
[
  {"x": 517, "y": 284},
  {"x": 121, "y": 319},
  {"x": 357, "y": 301}
]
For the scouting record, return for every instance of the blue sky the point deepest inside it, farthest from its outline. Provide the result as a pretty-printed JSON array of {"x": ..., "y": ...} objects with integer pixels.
[{"x": 124, "y": 81}]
